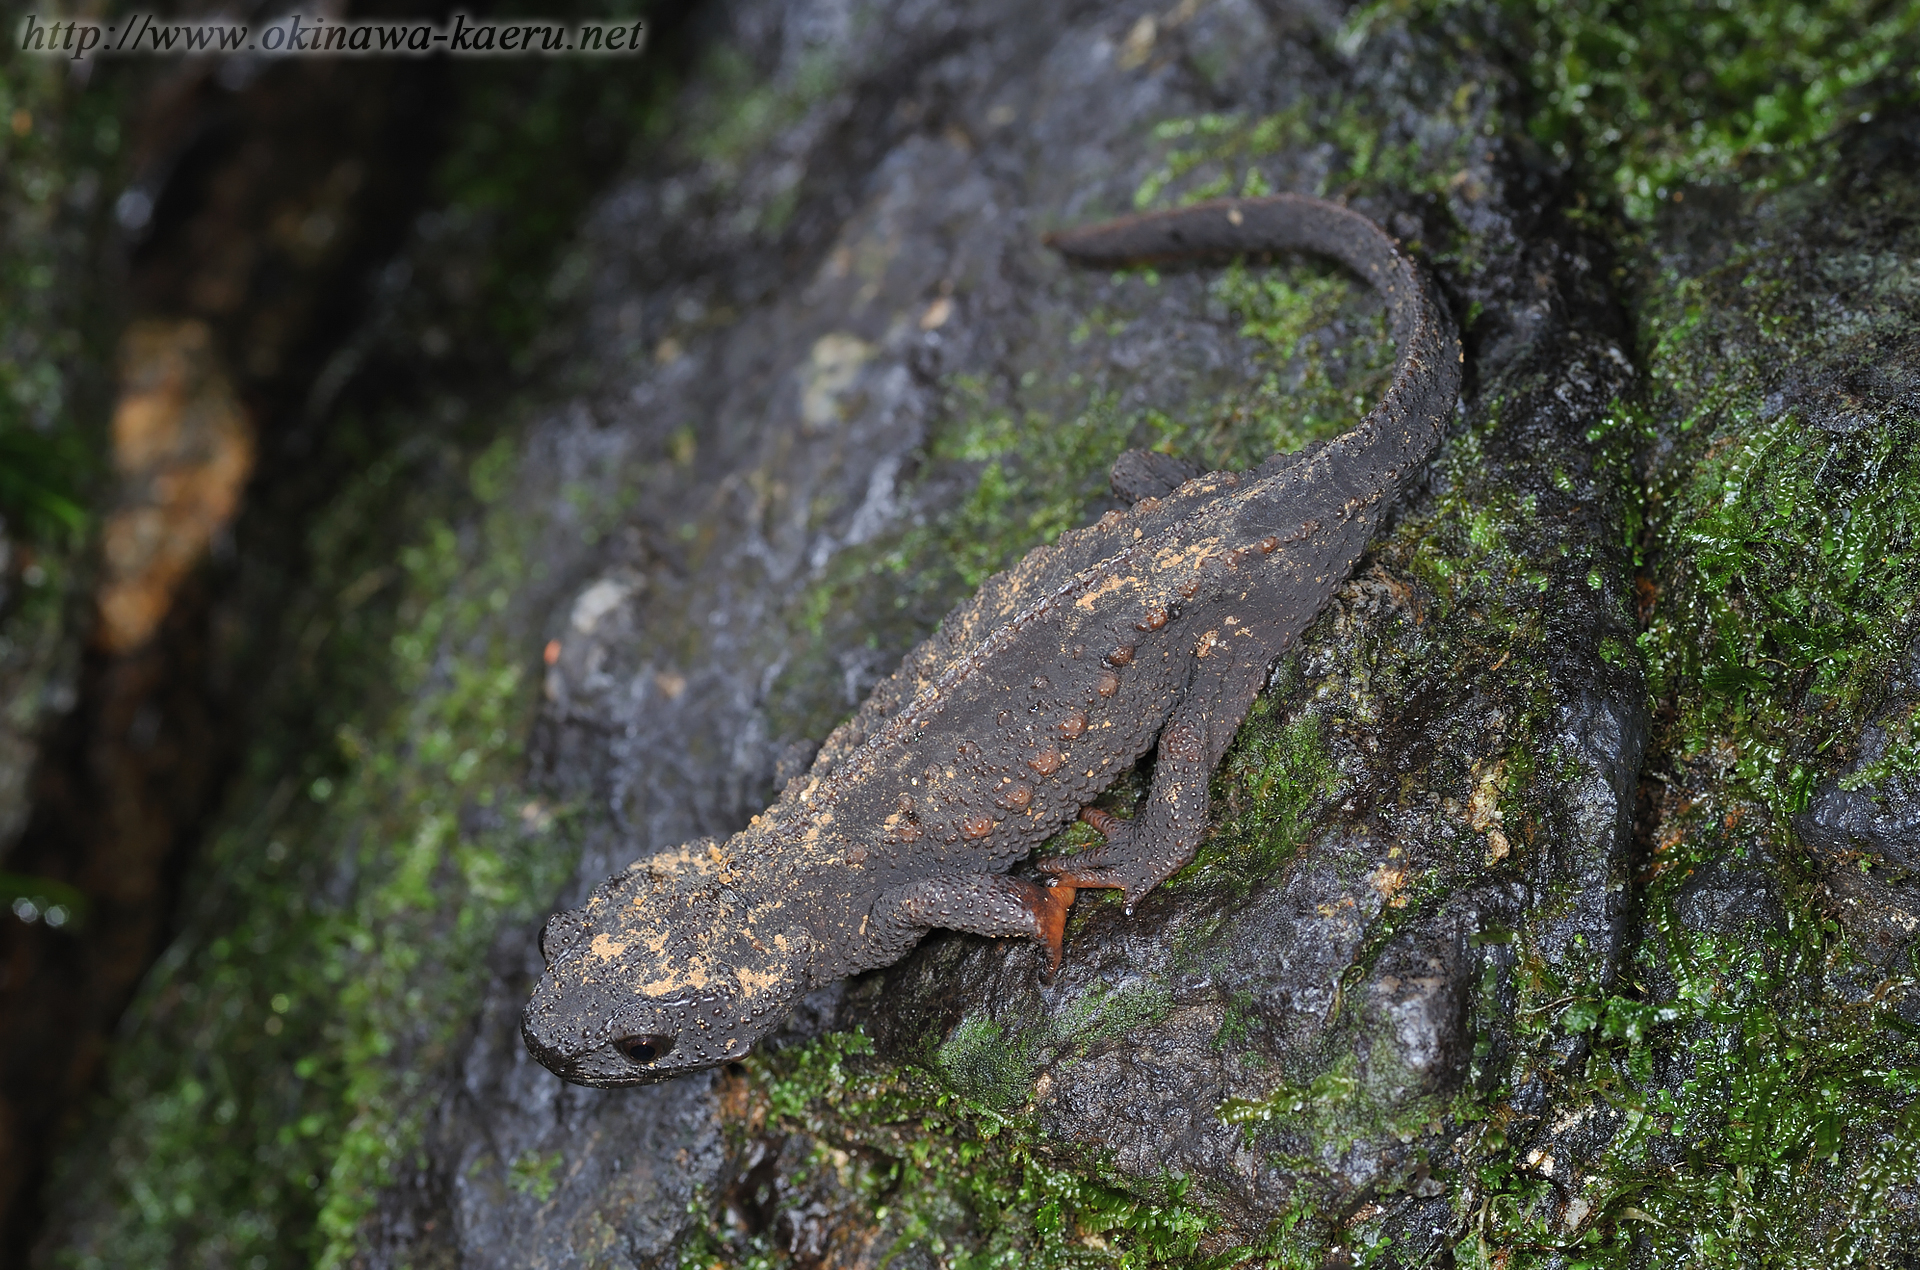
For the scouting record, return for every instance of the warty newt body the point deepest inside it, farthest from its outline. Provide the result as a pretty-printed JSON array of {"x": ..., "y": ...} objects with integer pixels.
[{"x": 1156, "y": 626}]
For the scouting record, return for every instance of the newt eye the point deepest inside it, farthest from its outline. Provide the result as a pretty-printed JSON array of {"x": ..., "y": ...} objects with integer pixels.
[{"x": 643, "y": 1049}]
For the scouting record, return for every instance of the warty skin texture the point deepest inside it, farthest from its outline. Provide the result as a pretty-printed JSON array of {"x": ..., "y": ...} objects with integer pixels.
[{"x": 1153, "y": 626}]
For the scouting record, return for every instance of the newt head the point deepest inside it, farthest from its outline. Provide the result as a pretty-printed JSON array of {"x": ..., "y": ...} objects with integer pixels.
[{"x": 666, "y": 969}]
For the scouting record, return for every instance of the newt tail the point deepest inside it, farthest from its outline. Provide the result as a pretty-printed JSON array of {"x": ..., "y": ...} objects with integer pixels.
[{"x": 1405, "y": 427}]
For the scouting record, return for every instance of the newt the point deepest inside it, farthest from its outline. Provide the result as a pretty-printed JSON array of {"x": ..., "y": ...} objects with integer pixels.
[{"x": 1154, "y": 627}]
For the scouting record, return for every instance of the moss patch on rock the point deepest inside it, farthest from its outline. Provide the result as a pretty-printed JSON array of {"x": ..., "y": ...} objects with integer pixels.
[{"x": 900, "y": 1161}]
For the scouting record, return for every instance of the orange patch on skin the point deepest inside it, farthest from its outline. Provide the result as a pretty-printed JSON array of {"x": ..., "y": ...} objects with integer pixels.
[
  {"x": 753, "y": 983},
  {"x": 1047, "y": 761},
  {"x": 1090, "y": 599}
]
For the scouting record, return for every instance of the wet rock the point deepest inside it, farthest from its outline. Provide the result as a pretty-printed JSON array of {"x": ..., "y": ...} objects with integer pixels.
[
  {"x": 823, "y": 377},
  {"x": 1881, "y": 818},
  {"x": 1744, "y": 1014},
  {"x": 1865, "y": 833},
  {"x": 575, "y": 1174},
  {"x": 1849, "y": 816},
  {"x": 1335, "y": 992}
]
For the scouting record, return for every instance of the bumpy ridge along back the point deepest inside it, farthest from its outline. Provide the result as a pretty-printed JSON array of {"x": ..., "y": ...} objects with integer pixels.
[
  {"x": 1395, "y": 437},
  {"x": 1383, "y": 448}
]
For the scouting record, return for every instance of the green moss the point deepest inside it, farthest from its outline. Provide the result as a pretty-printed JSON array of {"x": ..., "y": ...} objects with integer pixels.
[
  {"x": 1220, "y": 155},
  {"x": 426, "y": 884},
  {"x": 1647, "y": 97},
  {"x": 1900, "y": 758},
  {"x": 532, "y": 1174},
  {"x": 1761, "y": 1119},
  {"x": 993, "y": 1063},
  {"x": 1336, "y": 1108},
  {"x": 981, "y": 1061},
  {"x": 922, "y": 1165},
  {"x": 1788, "y": 557},
  {"x": 1275, "y": 780}
]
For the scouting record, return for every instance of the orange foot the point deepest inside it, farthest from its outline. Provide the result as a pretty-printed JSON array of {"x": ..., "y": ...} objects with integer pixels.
[{"x": 1049, "y": 905}]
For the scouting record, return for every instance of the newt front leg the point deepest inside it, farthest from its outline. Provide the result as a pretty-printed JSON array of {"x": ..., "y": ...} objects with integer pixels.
[{"x": 978, "y": 903}]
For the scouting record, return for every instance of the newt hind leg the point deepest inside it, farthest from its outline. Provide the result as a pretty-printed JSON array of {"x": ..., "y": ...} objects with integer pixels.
[{"x": 1163, "y": 835}]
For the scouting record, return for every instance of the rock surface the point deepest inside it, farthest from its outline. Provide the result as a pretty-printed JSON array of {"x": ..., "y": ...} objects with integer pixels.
[
  {"x": 1360, "y": 959},
  {"x": 1504, "y": 949}
]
